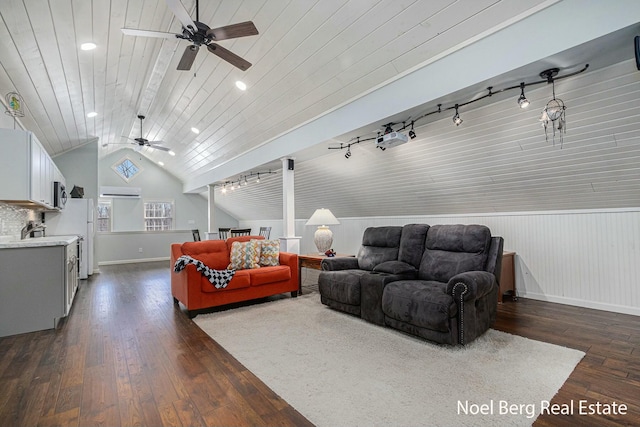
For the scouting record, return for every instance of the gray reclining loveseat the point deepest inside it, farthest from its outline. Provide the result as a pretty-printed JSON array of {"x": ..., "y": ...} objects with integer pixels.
[{"x": 437, "y": 282}]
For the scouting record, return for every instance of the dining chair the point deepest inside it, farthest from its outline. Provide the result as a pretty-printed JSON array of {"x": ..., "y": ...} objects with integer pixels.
[
  {"x": 223, "y": 233},
  {"x": 265, "y": 231},
  {"x": 196, "y": 235},
  {"x": 240, "y": 232}
]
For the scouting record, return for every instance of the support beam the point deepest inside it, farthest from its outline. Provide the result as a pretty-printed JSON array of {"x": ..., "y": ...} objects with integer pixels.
[
  {"x": 212, "y": 232},
  {"x": 289, "y": 242}
]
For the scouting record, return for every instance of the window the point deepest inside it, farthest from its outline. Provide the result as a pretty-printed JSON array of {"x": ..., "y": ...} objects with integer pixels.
[
  {"x": 158, "y": 216},
  {"x": 103, "y": 222},
  {"x": 126, "y": 169}
]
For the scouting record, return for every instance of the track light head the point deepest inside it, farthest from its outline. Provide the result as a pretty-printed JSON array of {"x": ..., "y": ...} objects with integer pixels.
[
  {"x": 456, "y": 118},
  {"x": 412, "y": 134},
  {"x": 348, "y": 153},
  {"x": 523, "y": 102}
]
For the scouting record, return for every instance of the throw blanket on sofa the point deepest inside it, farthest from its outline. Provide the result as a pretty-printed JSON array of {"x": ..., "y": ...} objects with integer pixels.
[{"x": 218, "y": 278}]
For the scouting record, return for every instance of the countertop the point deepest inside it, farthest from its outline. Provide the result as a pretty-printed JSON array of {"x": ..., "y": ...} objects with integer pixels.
[{"x": 38, "y": 242}]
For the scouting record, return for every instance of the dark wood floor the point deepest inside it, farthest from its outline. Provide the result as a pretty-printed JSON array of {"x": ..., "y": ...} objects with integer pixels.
[{"x": 127, "y": 356}]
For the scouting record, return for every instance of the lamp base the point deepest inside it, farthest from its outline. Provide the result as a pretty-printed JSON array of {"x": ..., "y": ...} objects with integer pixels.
[{"x": 323, "y": 238}]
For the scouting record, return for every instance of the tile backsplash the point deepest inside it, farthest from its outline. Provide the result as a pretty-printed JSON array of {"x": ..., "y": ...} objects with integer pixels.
[{"x": 13, "y": 218}]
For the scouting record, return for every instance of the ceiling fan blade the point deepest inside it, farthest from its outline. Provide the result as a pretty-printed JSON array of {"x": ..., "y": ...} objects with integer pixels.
[
  {"x": 188, "y": 57},
  {"x": 181, "y": 13},
  {"x": 159, "y": 147},
  {"x": 229, "y": 56},
  {"x": 233, "y": 31},
  {"x": 145, "y": 33}
]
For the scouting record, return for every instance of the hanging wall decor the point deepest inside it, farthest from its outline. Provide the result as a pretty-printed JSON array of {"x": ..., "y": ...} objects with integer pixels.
[
  {"x": 15, "y": 104},
  {"x": 554, "y": 112}
]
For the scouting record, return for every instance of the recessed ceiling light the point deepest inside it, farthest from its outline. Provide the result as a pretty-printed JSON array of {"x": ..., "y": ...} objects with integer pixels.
[
  {"x": 161, "y": 163},
  {"x": 88, "y": 46},
  {"x": 171, "y": 153},
  {"x": 241, "y": 85},
  {"x": 195, "y": 130},
  {"x": 92, "y": 114}
]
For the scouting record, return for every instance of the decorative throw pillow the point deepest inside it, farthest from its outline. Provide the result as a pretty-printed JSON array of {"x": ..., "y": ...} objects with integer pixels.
[
  {"x": 244, "y": 255},
  {"x": 269, "y": 252}
]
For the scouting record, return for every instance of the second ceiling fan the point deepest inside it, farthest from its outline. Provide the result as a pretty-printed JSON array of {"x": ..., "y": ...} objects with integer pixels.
[{"x": 200, "y": 34}]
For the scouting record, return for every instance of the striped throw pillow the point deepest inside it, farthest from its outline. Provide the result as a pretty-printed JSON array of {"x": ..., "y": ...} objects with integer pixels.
[
  {"x": 269, "y": 252},
  {"x": 244, "y": 255}
]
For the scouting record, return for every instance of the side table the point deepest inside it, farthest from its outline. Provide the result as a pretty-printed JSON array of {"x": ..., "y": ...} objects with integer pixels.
[
  {"x": 507, "y": 277},
  {"x": 313, "y": 261}
]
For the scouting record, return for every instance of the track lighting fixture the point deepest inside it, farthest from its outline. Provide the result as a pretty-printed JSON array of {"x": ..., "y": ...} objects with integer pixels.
[
  {"x": 523, "y": 102},
  {"x": 242, "y": 181},
  {"x": 554, "y": 112},
  {"x": 412, "y": 133},
  {"x": 456, "y": 118}
]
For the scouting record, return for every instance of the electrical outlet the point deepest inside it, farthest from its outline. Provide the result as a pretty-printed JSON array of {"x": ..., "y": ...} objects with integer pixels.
[{"x": 140, "y": 250}]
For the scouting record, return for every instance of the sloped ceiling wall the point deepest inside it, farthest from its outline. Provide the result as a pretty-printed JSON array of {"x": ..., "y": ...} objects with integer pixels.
[{"x": 497, "y": 161}]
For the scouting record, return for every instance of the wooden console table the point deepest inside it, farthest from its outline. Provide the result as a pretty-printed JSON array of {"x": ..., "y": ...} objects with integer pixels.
[
  {"x": 313, "y": 261},
  {"x": 507, "y": 277}
]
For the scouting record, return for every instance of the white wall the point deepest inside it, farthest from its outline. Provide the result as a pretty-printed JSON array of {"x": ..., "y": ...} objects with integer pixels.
[
  {"x": 586, "y": 258},
  {"x": 79, "y": 168},
  {"x": 127, "y": 239}
]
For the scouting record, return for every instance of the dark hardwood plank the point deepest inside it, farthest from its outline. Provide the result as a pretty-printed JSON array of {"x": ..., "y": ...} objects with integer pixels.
[
  {"x": 608, "y": 372},
  {"x": 128, "y": 356}
]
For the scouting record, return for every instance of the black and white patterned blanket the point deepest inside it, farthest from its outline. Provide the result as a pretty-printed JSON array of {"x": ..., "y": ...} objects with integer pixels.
[{"x": 218, "y": 278}]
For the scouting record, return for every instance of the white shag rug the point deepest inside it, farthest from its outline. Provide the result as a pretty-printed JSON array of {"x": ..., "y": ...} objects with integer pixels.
[{"x": 338, "y": 370}]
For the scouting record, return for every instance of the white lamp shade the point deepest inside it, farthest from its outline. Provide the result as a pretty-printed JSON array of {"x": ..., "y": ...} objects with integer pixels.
[{"x": 322, "y": 216}]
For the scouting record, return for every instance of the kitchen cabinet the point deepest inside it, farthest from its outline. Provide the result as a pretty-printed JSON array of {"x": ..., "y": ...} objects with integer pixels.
[
  {"x": 28, "y": 167},
  {"x": 39, "y": 282}
]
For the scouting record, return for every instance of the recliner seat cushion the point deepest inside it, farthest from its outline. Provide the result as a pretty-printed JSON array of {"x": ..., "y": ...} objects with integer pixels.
[
  {"x": 379, "y": 244},
  {"x": 419, "y": 302},
  {"x": 453, "y": 249},
  {"x": 342, "y": 286}
]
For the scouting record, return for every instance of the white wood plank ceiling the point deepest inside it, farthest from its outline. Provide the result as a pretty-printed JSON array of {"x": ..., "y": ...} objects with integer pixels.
[{"x": 309, "y": 58}]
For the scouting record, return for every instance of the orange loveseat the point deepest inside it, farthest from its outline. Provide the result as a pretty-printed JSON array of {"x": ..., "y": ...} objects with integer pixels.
[{"x": 195, "y": 291}]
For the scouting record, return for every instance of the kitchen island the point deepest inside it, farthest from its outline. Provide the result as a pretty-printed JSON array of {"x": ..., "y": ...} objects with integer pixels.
[{"x": 38, "y": 280}]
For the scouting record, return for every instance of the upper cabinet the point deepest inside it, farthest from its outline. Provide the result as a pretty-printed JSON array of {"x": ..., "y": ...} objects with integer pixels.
[{"x": 27, "y": 170}]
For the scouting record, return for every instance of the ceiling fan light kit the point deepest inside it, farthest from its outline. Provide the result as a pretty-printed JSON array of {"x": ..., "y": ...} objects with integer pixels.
[{"x": 199, "y": 34}]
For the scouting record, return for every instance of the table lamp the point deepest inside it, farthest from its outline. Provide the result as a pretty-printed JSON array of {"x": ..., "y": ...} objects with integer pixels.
[{"x": 323, "y": 237}]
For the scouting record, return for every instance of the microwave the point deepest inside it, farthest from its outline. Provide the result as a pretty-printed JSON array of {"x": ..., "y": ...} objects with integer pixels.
[{"x": 59, "y": 195}]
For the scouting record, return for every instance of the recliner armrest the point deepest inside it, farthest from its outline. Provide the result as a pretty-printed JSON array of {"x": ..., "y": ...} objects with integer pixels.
[
  {"x": 395, "y": 267},
  {"x": 471, "y": 285},
  {"x": 339, "y": 263}
]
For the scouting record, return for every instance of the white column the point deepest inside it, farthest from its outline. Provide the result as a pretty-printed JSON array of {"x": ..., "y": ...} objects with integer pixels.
[
  {"x": 212, "y": 232},
  {"x": 289, "y": 242}
]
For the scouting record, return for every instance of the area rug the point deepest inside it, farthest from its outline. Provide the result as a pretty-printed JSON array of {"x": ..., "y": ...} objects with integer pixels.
[{"x": 338, "y": 370}]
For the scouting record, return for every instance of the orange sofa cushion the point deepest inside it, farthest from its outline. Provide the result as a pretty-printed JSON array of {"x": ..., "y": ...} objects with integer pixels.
[
  {"x": 240, "y": 280},
  {"x": 213, "y": 253},
  {"x": 266, "y": 275}
]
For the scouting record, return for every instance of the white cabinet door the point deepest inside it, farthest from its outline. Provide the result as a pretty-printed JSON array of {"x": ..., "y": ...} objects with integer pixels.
[{"x": 35, "y": 171}]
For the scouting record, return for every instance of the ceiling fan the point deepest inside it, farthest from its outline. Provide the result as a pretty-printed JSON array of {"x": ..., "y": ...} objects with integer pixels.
[
  {"x": 200, "y": 34},
  {"x": 142, "y": 142}
]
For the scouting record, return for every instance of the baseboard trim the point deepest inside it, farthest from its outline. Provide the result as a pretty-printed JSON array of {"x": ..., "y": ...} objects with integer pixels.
[
  {"x": 133, "y": 261},
  {"x": 583, "y": 303}
]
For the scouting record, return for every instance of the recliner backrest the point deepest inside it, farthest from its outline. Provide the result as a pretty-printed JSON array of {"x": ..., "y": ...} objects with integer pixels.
[
  {"x": 379, "y": 244},
  {"x": 412, "y": 243},
  {"x": 454, "y": 248}
]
